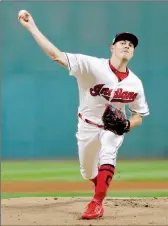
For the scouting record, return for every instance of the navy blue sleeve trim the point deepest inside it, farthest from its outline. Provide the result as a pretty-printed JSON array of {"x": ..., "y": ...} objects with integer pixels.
[{"x": 139, "y": 112}]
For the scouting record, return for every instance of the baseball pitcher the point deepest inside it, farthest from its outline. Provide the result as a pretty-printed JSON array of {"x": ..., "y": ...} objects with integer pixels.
[{"x": 105, "y": 87}]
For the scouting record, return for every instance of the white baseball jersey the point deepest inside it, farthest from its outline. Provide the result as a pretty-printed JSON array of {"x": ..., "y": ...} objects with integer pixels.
[{"x": 98, "y": 85}]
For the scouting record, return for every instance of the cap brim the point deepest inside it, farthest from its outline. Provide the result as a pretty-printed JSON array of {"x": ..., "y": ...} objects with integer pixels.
[{"x": 127, "y": 36}]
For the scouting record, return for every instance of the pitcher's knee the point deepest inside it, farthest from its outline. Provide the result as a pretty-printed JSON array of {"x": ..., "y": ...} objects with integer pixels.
[
  {"x": 109, "y": 162},
  {"x": 107, "y": 158},
  {"x": 87, "y": 174}
]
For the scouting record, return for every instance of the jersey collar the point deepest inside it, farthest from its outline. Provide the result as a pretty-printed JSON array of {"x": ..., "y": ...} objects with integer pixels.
[{"x": 119, "y": 75}]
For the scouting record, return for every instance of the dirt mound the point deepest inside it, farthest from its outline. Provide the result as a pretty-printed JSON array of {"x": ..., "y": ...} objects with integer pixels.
[{"x": 67, "y": 211}]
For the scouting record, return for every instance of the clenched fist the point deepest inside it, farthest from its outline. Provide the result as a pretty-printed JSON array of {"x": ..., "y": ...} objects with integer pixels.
[{"x": 26, "y": 19}]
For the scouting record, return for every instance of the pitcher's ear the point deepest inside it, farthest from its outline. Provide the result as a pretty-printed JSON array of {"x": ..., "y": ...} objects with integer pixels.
[{"x": 111, "y": 48}]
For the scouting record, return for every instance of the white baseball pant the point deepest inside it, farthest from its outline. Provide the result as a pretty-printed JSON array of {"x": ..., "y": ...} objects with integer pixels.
[{"x": 96, "y": 147}]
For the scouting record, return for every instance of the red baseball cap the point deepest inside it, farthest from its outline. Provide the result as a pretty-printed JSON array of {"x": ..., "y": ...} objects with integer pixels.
[{"x": 126, "y": 36}]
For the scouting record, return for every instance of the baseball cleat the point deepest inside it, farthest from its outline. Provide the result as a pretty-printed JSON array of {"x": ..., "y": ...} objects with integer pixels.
[{"x": 93, "y": 210}]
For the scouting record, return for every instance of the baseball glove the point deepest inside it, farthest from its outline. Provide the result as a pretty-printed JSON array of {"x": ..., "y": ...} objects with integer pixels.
[{"x": 114, "y": 120}]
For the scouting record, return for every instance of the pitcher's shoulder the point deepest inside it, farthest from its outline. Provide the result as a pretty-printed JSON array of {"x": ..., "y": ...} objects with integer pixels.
[
  {"x": 135, "y": 77},
  {"x": 98, "y": 61},
  {"x": 94, "y": 58}
]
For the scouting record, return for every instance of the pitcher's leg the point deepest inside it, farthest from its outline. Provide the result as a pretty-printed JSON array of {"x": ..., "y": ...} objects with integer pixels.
[
  {"x": 88, "y": 157},
  {"x": 88, "y": 150},
  {"x": 110, "y": 144},
  {"x": 108, "y": 155}
]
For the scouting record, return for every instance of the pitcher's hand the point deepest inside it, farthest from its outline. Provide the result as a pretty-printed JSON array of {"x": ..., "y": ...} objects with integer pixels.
[{"x": 26, "y": 20}]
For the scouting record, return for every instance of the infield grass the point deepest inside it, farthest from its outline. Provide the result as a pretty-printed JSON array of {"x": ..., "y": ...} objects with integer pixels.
[{"x": 156, "y": 170}]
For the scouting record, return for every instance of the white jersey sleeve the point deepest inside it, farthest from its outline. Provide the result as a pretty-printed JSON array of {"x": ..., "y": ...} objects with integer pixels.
[
  {"x": 79, "y": 64},
  {"x": 139, "y": 105}
]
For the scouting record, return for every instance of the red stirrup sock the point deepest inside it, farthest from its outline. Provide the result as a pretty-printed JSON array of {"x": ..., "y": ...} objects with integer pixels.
[{"x": 104, "y": 178}]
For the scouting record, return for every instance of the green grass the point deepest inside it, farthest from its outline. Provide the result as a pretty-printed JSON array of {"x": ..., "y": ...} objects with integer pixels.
[
  {"x": 88, "y": 194},
  {"x": 156, "y": 170}
]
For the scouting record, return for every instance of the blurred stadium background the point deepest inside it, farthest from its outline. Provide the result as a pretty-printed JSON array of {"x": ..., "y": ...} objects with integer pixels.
[{"x": 40, "y": 99}]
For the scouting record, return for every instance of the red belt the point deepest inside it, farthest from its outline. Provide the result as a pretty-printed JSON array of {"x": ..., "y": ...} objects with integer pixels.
[{"x": 89, "y": 122}]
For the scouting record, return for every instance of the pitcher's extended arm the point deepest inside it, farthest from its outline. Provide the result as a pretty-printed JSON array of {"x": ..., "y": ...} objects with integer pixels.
[{"x": 53, "y": 52}]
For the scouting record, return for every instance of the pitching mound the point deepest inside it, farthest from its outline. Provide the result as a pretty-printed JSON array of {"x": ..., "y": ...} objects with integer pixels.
[{"x": 67, "y": 211}]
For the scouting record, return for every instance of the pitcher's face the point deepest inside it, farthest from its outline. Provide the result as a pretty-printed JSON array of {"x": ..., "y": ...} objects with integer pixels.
[{"x": 123, "y": 50}]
